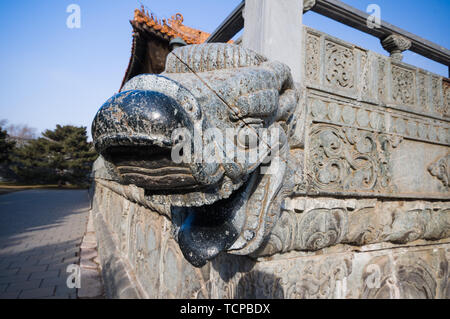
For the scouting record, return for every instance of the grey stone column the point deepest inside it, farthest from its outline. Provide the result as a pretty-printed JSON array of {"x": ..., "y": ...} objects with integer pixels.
[{"x": 273, "y": 28}]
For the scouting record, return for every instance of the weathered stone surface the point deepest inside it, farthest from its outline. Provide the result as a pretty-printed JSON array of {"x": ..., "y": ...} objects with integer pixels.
[
  {"x": 150, "y": 245},
  {"x": 134, "y": 131},
  {"x": 318, "y": 223},
  {"x": 308, "y": 4},
  {"x": 88, "y": 264},
  {"x": 88, "y": 245},
  {"x": 441, "y": 170},
  {"x": 104, "y": 170},
  {"x": 114, "y": 276},
  {"x": 91, "y": 286},
  {"x": 395, "y": 45},
  {"x": 271, "y": 25},
  {"x": 358, "y": 206}
]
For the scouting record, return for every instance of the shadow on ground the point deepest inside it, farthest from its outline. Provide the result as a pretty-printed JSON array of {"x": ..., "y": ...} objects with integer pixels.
[{"x": 40, "y": 235}]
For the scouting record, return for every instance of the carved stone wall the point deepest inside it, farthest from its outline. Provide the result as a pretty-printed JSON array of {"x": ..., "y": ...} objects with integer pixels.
[
  {"x": 376, "y": 127},
  {"x": 144, "y": 243},
  {"x": 363, "y": 209},
  {"x": 156, "y": 268},
  {"x": 338, "y": 67}
]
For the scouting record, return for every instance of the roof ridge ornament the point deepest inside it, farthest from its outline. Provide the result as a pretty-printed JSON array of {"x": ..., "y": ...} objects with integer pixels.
[
  {"x": 172, "y": 27},
  {"x": 177, "y": 18}
]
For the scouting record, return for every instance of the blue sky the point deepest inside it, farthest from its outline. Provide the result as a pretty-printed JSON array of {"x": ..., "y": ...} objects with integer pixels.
[{"x": 50, "y": 74}]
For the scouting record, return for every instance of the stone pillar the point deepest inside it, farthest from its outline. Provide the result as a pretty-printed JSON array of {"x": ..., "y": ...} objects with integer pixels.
[
  {"x": 273, "y": 28},
  {"x": 395, "y": 45}
]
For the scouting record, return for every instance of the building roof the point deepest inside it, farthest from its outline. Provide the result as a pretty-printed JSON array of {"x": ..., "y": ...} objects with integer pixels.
[
  {"x": 169, "y": 28},
  {"x": 151, "y": 41}
]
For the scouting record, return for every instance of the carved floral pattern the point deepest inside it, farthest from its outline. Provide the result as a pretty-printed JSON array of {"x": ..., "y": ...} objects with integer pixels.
[
  {"x": 312, "y": 57},
  {"x": 417, "y": 274},
  {"x": 436, "y": 85},
  {"x": 347, "y": 159},
  {"x": 381, "y": 79},
  {"x": 405, "y": 277},
  {"x": 423, "y": 98},
  {"x": 446, "y": 109},
  {"x": 364, "y": 74},
  {"x": 393, "y": 275},
  {"x": 318, "y": 228},
  {"x": 321, "y": 228},
  {"x": 339, "y": 66},
  {"x": 441, "y": 170},
  {"x": 402, "y": 85},
  {"x": 318, "y": 280},
  {"x": 292, "y": 279},
  {"x": 368, "y": 118}
]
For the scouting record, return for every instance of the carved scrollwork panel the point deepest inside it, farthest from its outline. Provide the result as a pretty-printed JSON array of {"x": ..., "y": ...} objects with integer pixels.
[
  {"x": 446, "y": 108},
  {"x": 381, "y": 79},
  {"x": 340, "y": 66},
  {"x": 321, "y": 228},
  {"x": 318, "y": 279},
  {"x": 312, "y": 57},
  {"x": 423, "y": 103},
  {"x": 375, "y": 119},
  {"x": 348, "y": 159},
  {"x": 315, "y": 229},
  {"x": 441, "y": 170},
  {"x": 364, "y": 74},
  {"x": 402, "y": 86},
  {"x": 436, "y": 85},
  {"x": 404, "y": 277}
]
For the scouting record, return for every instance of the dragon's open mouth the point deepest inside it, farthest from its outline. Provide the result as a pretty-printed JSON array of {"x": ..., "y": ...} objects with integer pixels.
[
  {"x": 204, "y": 230},
  {"x": 207, "y": 230}
]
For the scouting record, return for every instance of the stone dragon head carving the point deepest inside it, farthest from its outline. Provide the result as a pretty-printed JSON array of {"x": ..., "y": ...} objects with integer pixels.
[{"x": 170, "y": 134}]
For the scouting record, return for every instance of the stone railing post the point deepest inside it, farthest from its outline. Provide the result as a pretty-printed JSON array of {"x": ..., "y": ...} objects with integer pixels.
[
  {"x": 273, "y": 28},
  {"x": 308, "y": 5},
  {"x": 395, "y": 45}
]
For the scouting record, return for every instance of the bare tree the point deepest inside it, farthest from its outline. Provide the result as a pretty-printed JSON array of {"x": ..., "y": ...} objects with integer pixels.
[{"x": 22, "y": 131}]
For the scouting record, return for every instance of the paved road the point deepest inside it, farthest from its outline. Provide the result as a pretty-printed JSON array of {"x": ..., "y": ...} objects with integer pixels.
[{"x": 40, "y": 235}]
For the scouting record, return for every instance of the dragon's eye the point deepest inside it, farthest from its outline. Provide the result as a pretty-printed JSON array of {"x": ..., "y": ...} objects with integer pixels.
[{"x": 248, "y": 135}]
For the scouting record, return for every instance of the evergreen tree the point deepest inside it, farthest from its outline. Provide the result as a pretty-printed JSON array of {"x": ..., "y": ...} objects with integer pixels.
[
  {"x": 30, "y": 163},
  {"x": 6, "y": 147},
  {"x": 59, "y": 156}
]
